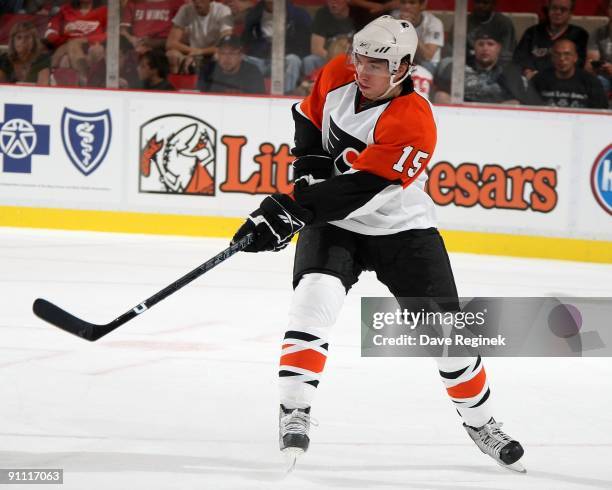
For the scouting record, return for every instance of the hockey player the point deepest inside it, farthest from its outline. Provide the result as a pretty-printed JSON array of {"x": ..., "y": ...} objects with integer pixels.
[{"x": 362, "y": 140}]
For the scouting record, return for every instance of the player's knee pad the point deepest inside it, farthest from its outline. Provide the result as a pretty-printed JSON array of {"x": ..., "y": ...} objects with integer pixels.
[{"x": 317, "y": 301}]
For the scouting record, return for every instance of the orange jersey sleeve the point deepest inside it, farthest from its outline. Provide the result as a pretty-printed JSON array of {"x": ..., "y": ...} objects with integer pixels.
[{"x": 404, "y": 140}]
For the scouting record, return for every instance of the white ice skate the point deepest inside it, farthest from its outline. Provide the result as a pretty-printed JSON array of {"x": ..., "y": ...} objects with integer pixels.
[
  {"x": 491, "y": 440},
  {"x": 293, "y": 426}
]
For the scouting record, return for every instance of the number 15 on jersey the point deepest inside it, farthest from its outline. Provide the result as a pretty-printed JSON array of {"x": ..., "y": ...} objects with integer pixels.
[{"x": 417, "y": 161}]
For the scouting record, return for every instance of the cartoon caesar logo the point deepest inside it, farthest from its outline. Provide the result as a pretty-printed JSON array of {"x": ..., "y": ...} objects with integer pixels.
[{"x": 177, "y": 156}]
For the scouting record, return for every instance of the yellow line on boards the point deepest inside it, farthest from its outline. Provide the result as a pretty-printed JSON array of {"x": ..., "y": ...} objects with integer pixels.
[
  {"x": 218, "y": 226},
  {"x": 528, "y": 246},
  {"x": 119, "y": 221}
]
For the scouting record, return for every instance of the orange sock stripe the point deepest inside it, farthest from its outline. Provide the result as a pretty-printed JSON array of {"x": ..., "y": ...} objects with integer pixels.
[
  {"x": 469, "y": 388},
  {"x": 287, "y": 345},
  {"x": 305, "y": 359}
]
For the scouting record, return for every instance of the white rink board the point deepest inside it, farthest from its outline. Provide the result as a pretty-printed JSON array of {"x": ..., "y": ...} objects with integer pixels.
[
  {"x": 251, "y": 134},
  {"x": 54, "y": 180}
]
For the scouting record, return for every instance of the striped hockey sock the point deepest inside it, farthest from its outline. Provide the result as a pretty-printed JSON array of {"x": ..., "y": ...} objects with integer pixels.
[
  {"x": 468, "y": 388},
  {"x": 316, "y": 303}
]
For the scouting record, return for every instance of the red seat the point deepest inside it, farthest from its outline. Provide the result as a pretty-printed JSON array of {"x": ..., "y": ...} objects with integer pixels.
[
  {"x": 65, "y": 77},
  {"x": 183, "y": 82}
]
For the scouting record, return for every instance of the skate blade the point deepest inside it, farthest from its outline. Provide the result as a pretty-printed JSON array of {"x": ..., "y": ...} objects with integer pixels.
[
  {"x": 291, "y": 455},
  {"x": 517, "y": 467}
]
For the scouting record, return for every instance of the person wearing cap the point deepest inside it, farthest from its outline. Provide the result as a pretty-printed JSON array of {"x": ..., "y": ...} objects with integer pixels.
[
  {"x": 487, "y": 79},
  {"x": 567, "y": 85},
  {"x": 331, "y": 22},
  {"x": 484, "y": 15},
  {"x": 196, "y": 29},
  {"x": 231, "y": 73},
  {"x": 257, "y": 39}
]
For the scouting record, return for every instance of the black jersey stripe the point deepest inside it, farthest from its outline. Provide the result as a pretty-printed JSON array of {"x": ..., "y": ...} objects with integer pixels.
[{"x": 294, "y": 334}]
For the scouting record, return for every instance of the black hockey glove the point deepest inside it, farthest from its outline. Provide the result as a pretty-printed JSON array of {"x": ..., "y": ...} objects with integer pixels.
[
  {"x": 276, "y": 220},
  {"x": 312, "y": 169}
]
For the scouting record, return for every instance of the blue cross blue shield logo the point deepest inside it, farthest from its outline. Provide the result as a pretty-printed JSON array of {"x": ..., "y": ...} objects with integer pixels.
[
  {"x": 20, "y": 138},
  {"x": 86, "y": 137},
  {"x": 601, "y": 179}
]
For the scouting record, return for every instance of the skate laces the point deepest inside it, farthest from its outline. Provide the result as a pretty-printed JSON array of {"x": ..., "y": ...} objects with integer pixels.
[
  {"x": 493, "y": 437},
  {"x": 495, "y": 428},
  {"x": 297, "y": 422}
]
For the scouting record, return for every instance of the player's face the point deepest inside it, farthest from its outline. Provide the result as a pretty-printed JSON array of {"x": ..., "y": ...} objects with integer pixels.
[
  {"x": 487, "y": 51},
  {"x": 229, "y": 58},
  {"x": 372, "y": 76}
]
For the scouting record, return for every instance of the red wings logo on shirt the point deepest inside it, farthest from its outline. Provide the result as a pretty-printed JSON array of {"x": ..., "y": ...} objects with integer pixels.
[{"x": 84, "y": 27}]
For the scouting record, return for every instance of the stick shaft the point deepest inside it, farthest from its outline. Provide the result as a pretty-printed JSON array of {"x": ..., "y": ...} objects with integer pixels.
[
  {"x": 90, "y": 331},
  {"x": 187, "y": 278}
]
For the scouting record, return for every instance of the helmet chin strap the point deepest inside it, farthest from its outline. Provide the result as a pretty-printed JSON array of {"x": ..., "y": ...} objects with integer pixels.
[{"x": 393, "y": 84}]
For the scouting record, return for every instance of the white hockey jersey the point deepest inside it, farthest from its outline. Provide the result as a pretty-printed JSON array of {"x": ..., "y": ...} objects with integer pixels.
[{"x": 377, "y": 154}]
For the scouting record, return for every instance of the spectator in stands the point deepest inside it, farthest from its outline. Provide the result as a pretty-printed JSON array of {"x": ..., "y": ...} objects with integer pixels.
[
  {"x": 487, "y": 78},
  {"x": 147, "y": 23},
  {"x": 331, "y": 20},
  {"x": 567, "y": 85},
  {"x": 339, "y": 45},
  {"x": 533, "y": 51},
  {"x": 197, "y": 28},
  {"x": 484, "y": 14},
  {"x": 25, "y": 61},
  {"x": 599, "y": 55},
  {"x": 231, "y": 73},
  {"x": 128, "y": 68},
  {"x": 257, "y": 39},
  {"x": 153, "y": 69},
  {"x": 365, "y": 11},
  {"x": 429, "y": 29},
  {"x": 42, "y": 7},
  {"x": 77, "y": 33},
  {"x": 239, "y": 9}
]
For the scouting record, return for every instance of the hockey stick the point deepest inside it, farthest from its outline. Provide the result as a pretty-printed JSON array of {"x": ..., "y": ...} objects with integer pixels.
[{"x": 90, "y": 331}]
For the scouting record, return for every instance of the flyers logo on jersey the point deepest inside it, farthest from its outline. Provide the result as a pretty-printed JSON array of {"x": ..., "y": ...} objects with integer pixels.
[
  {"x": 492, "y": 186},
  {"x": 343, "y": 147}
]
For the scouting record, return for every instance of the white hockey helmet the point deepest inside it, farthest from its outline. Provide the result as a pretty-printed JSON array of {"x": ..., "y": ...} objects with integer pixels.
[{"x": 389, "y": 39}]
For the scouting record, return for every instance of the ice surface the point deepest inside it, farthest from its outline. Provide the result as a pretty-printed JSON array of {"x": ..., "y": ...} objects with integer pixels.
[{"x": 184, "y": 396}]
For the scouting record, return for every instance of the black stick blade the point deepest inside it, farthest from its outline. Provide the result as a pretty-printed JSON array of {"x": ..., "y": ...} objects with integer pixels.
[{"x": 54, "y": 315}]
